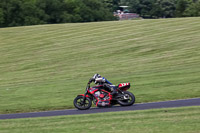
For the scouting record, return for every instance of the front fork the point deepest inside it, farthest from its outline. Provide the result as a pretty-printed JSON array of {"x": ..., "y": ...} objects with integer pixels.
[
  {"x": 86, "y": 92},
  {"x": 84, "y": 97}
]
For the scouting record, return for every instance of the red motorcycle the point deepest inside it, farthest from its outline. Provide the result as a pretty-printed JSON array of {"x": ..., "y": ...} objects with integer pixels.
[{"x": 101, "y": 97}]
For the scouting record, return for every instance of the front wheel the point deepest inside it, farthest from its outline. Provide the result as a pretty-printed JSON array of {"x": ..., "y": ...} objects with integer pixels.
[
  {"x": 80, "y": 104},
  {"x": 126, "y": 99}
]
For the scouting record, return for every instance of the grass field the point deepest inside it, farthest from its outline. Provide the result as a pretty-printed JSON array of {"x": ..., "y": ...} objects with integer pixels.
[
  {"x": 174, "y": 120},
  {"x": 44, "y": 67}
]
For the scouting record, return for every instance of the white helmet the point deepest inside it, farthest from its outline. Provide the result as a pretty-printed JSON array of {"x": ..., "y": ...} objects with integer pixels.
[{"x": 96, "y": 76}]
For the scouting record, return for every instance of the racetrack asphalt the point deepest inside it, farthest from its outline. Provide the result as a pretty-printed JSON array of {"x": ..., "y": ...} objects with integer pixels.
[{"x": 140, "y": 106}]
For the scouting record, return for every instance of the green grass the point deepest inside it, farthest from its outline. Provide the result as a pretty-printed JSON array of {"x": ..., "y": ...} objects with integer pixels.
[
  {"x": 44, "y": 67},
  {"x": 174, "y": 120}
]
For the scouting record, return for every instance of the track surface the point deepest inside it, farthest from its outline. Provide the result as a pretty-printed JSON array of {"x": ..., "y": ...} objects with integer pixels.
[{"x": 142, "y": 106}]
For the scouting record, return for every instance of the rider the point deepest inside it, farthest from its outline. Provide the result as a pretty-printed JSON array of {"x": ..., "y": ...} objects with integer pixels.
[{"x": 97, "y": 78}]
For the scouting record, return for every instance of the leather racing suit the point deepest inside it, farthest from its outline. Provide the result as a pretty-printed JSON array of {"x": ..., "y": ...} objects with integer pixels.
[{"x": 103, "y": 81}]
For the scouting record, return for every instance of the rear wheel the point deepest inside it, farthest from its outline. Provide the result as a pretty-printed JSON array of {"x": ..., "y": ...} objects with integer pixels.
[
  {"x": 126, "y": 99},
  {"x": 80, "y": 104}
]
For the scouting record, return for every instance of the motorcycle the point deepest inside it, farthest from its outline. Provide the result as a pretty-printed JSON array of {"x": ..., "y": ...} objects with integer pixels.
[{"x": 102, "y": 97}]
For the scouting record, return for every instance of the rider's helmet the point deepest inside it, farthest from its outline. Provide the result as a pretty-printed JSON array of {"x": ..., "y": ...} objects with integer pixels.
[{"x": 96, "y": 76}]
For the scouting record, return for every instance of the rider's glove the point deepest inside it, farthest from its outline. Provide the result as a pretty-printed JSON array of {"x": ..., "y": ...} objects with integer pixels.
[{"x": 90, "y": 81}]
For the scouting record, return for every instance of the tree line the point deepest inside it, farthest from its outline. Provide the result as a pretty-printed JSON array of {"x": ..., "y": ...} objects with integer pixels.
[
  {"x": 164, "y": 8},
  {"x": 32, "y": 12}
]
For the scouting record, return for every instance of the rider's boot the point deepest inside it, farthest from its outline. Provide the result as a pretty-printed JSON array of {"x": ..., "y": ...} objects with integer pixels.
[{"x": 113, "y": 93}]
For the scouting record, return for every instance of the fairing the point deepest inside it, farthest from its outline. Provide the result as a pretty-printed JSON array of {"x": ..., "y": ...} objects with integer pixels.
[{"x": 124, "y": 86}]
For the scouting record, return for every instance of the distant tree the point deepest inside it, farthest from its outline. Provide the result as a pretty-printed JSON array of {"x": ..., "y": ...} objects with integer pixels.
[
  {"x": 20, "y": 12},
  {"x": 94, "y": 10},
  {"x": 1, "y": 17},
  {"x": 163, "y": 8},
  {"x": 32, "y": 12},
  {"x": 71, "y": 11},
  {"x": 152, "y": 8},
  {"x": 116, "y": 4},
  {"x": 193, "y": 10},
  {"x": 181, "y": 7},
  {"x": 11, "y": 12},
  {"x": 168, "y": 8},
  {"x": 32, "y": 15},
  {"x": 157, "y": 10},
  {"x": 146, "y": 7},
  {"x": 135, "y": 6},
  {"x": 108, "y": 3},
  {"x": 61, "y": 11},
  {"x": 52, "y": 8}
]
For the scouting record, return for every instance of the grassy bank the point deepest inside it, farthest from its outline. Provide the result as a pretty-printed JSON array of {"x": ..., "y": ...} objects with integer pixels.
[
  {"x": 176, "y": 120},
  {"x": 44, "y": 67}
]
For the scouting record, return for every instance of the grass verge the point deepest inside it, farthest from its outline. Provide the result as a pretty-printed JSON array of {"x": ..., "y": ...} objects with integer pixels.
[{"x": 174, "y": 120}]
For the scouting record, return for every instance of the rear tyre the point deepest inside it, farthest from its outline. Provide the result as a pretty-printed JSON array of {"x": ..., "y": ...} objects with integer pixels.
[
  {"x": 79, "y": 104},
  {"x": 127, "y": 99}
]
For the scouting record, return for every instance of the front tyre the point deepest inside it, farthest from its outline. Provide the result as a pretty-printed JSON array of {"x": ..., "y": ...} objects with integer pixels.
[
  {"x": 127, "y": 99},
  {"x": 80, "y": 104}
]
